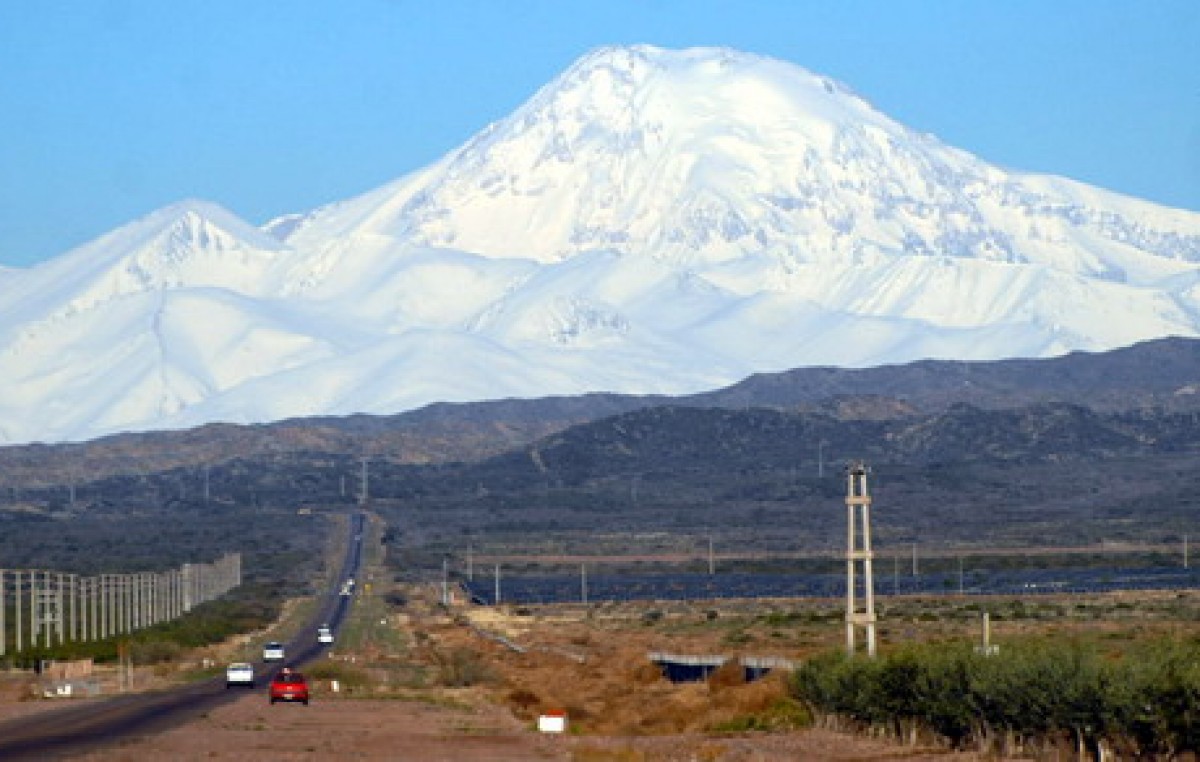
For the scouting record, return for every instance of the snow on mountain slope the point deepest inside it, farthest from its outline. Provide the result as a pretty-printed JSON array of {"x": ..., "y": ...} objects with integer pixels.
[
  {"x": 706, "y": 156},
  {"x": 651, "y": 221},
  {"x": 147, "y": 356},
  {"x": 149, "y": 319},
  {"x": 190, "y": 244}
]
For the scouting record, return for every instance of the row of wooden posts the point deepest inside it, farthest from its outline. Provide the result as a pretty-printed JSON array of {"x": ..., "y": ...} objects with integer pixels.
[{"x": 42, "y": 609}]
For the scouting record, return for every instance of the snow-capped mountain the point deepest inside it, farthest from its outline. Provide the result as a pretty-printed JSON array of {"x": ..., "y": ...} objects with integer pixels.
[{"x": 650, "y": 221}]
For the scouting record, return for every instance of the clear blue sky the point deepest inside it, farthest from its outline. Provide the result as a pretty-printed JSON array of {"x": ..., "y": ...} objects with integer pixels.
[{"x": 110, "y": 109}]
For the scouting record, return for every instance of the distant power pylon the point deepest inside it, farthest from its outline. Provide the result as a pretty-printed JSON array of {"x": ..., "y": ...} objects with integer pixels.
[
  {"x": 363, "y": 494},
  {"x": 858, "y": 549}
]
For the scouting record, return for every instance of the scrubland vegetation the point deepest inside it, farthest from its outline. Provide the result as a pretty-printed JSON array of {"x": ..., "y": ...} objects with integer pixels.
[{"x": 1034, "y": 695}]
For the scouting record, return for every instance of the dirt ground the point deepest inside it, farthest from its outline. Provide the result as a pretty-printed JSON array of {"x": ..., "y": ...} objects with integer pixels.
[
  {"x": 349, "y": 729},
  {"x": 471, "y": 683},
  {"x": 388, "y": 729}
]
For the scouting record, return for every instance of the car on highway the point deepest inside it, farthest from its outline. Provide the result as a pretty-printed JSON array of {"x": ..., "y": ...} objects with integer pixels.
[
  {"x": 324, "y": 634},
  {"x": 289, "y": 685},
  {"x": 273, "y": 651},
  {"x": 239, "y": 675}
]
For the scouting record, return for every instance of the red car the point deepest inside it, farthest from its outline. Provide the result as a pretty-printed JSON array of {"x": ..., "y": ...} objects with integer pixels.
[{"x": 289, "y": 685}]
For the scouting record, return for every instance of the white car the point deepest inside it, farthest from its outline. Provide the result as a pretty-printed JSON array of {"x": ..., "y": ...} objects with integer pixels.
[
  {"x": 273, "y": 651},
  {"x": 239, "y": 674},
  {"x": 324, "y": 635}
]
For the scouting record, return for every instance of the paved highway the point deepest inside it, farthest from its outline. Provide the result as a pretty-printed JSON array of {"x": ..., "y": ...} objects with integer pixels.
[{"x": 80, "y": 727}]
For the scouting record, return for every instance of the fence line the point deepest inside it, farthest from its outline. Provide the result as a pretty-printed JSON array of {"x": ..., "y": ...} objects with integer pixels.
[{"x": 40, "y": 608}]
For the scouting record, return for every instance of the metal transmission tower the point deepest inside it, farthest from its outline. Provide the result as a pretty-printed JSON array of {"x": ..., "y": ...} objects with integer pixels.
[{"x": 858, "y": 548}]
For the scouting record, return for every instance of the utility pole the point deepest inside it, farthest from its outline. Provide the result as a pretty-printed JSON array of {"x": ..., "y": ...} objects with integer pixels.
[
  {"x": 89, "y": 609},
  {"x": 34, "y": 630},
  {"x": 101, "y": 630},
  {"x": 129, "y": 601},
  {"x": 17, "y": 601},
  {"x": 47, "y": 615},
  {"x": 73, "y": 632},
  {"x": 119, "y": 607},
  {"x": 106, "y": 607},
  {"x": 445, "y": 580},
  {"x": 858, "y": 551},
  {"x": 712, "y": 561},
  {"x": 497, "y": 597},
  {"x": 137, "y": 595},
  {"x": 363, "y": 494},
  {"x": 986, "y": 648},
  {"x": 60, "y": 609},
  {"x": 188, "y": 588},
  {"x": 103, "y": 607},
  {"x": 57, "y": 589}
]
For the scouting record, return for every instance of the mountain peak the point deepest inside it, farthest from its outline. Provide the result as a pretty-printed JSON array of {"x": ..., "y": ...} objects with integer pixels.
[
  {"x": 171, "y": 236},
  {"x": 642, "y": 148},
  {"x": 709, "y": 156},
  {"x": 193, "y": 225},
  {"x": 635, "y": 66},
  {"x": 186, "y": 244}
]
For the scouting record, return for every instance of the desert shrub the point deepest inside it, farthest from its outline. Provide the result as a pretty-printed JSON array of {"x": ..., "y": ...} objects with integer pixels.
[
  {"x": 781, "y": 618},
  {"x": 523, "y": 700},
  {"x": 729, "y": 674},
  {"x": 1040, "y": 691},
  {"x": 1162, "y": 712},
  {"x": 737, "y": 637},
  {"x": 783, "y": 714},
  {"x": 645, "y": 673},
  {"x": 582, "y": 639},
  {"x": 154, "y": 651},
  {"x": 346, "y": 674},
  {"x": 460, "y": 667}
]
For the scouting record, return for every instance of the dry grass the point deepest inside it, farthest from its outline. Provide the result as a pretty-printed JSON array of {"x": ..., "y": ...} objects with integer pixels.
[
  {"x": 592, "y": 663},
  {"x": 596, "y": 670}
]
